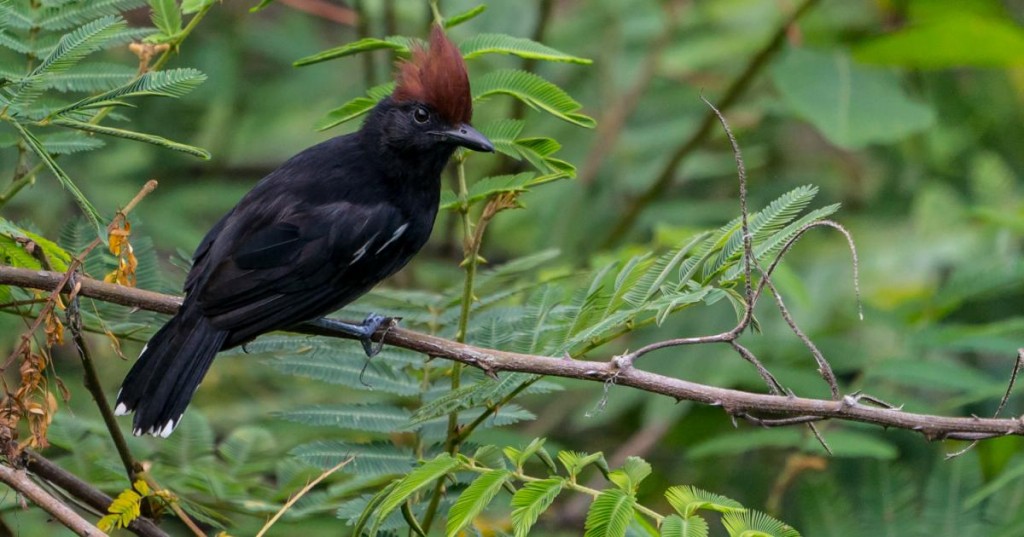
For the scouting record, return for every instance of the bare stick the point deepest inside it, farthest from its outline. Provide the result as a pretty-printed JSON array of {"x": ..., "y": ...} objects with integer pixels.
[
  {"x": 93, "y": 497},
  {"x": 21, "y": 482},
  {"x": 933, "y": 427},
  {"x": 291, "y": 501}
]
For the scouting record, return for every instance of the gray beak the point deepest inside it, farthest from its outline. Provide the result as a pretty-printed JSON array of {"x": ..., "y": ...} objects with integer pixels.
[{"x": 468, "y": 137}]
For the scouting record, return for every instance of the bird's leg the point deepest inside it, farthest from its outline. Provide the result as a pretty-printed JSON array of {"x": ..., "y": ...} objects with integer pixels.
[{"x": 363, "y": 332}]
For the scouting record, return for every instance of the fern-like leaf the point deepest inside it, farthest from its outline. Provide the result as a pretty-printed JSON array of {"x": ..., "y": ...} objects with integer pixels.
[
  {"x": 78, "y": 12},
  {"x": 756, "y": 524},
  {"x": 78, "y": 44},
  {"x": 419, "y": 478},
  {"x": 533, "y": 91},
  {"x": 65, "y": 181},
  {"x": 530, "y": 501},
  {"x": 610, "y": 514},
  {"x": 676, "y": 526},
  {"x": 380, "y": 418},
  {"x": 482, "y": 44},
  {"x": 374, "y": 459},
  {"x": 134, "y": 136},
  {"x": 474, "y": 499},
  {"x": 169, "y": 83},
  {"x": 687, "y": 500}
]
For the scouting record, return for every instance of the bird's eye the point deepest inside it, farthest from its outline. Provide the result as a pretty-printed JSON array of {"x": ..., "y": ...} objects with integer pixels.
[{"x": 420, "y": 115}]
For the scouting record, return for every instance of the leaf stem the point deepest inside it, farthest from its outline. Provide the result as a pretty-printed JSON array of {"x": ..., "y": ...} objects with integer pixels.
[{"x": 569, "y": 484}]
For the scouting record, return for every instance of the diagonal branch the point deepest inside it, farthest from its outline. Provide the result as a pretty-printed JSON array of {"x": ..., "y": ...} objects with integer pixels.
[
  {"x": 735, "y": 402},
  {"x": 668, "y": 172}
]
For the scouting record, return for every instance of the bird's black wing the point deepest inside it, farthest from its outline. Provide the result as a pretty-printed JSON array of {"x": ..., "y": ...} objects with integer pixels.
[{"x": 301, "y": 265}]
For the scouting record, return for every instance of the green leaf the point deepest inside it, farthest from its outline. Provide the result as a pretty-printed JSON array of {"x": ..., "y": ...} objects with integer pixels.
[
  {"x": 610, "y": 514},
  {"x": 60, "y": 17},
  {"x": 489, "y": 186},
  {"x": 132, "y": 135},
  {"x": 534, "y": 91},
  {"x": 65, "y": 181},
  {"x": 755, "y": 524},
  {"x": 194, "y": 6},
  {"x": 66, "y": 143},
  {"x": 168, "y": 83},
  {"x": 676, "y": 526},
  {"x": 958, "y": 39},
  {"x": 687, "y": 500},
  {"x": 852, "y": 105},
  {"x": 342, "y": 366},
  {"x": 426, "y": 474},
  {"x": 356, "y": 107},
  {"x": 465, "y": 16},
  {"x": 261, "y": 6},
  {"x": 530, "y": 501},
  {"x": 518, "y": 457},
  {"x": 372, "y": 504},
  {"x": 628, "y": 477},
  {"x": 474, "y": 499},
  {"x": 346, "y": 112},
  {"x": 89, "y": 77},
  {"x": 166, "y": 16},
  {"x": 366, "y": 44},
  {"x": 482, "y": 44},
  {"x": 379, "y": 417},
  {"x": 575, "y": 461},
  {"x": 78, "y": 44},
  {"x": 246, "y": 445},
  {"x": 57, "y": 256},
  {"x": 378, "y": 458}
]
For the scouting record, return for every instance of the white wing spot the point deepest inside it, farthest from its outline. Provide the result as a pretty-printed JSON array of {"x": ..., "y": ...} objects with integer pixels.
[
  {"x": 362, "y": 251},
  {"x": 121, "y": 409},
  {"x": 394, "y": 236}
]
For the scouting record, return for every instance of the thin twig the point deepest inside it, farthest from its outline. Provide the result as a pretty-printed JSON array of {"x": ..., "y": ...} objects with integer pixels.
[
  {"x": 291, "y": 501},
  {"x": 92, "y": 383}
]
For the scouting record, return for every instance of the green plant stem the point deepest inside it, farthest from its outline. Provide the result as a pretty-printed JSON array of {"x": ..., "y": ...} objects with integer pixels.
[
  {"x": 435, "y": 9},
  {"x": 178, "y": 39},
  {"x": 570, "y": 484},
  {"x": 471, "y": 256}
]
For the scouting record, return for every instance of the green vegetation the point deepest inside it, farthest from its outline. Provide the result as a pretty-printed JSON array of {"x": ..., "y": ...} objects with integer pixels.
[{"x": 608, "y": 220}]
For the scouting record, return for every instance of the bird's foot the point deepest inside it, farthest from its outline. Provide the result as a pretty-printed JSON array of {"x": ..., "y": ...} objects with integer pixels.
[{"x": 363, "y": 332}]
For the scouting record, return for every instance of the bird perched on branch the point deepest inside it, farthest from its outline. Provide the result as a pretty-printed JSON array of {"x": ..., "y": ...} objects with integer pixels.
[{"x": 314, "y": 235}]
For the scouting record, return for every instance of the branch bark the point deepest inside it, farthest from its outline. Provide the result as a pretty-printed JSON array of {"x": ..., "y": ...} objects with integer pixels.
[
  {"x": 84, "y": 492},
  {"x": 20, "y": 481},
  {"x": 621, "y": 372}
]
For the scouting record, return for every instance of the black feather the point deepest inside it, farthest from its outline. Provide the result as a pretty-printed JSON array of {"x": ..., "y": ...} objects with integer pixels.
[{"x": 312, "y": 236}]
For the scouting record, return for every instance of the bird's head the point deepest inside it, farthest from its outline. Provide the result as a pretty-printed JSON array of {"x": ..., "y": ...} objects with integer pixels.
[{"x": 431, "y": 106}]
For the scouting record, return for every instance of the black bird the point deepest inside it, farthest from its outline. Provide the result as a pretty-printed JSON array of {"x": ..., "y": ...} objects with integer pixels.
[{"x": 314, "y": 235}]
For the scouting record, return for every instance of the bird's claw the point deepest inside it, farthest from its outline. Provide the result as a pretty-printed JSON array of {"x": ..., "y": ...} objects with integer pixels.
[{"x": 370, "y": 325}]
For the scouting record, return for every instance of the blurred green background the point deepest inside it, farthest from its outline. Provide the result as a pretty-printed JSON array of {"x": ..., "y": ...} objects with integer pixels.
[{"x": 909, "y": 113}]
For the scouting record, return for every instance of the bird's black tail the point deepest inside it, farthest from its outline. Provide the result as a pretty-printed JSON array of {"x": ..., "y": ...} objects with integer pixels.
[{"x": 165, "y": 377}]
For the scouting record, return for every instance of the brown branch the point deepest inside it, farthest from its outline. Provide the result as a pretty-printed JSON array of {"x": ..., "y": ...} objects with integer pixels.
[
  {"x": 668, "y": 172},
  {"x": 84, "y": 492},
  {"x": 21, "y": 482},
  {"x": 735, "y": 402}
]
